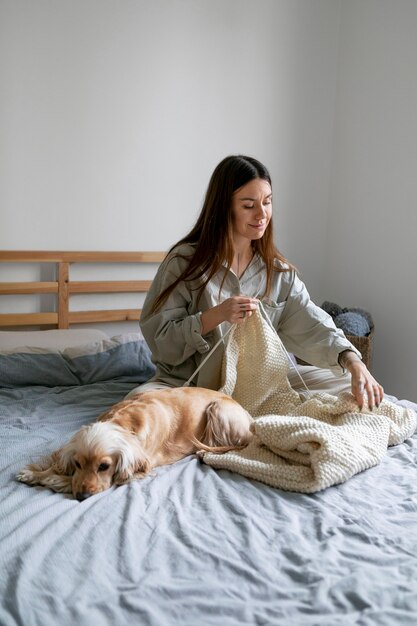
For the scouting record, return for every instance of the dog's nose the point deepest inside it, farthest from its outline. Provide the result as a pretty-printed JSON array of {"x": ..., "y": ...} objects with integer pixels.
[{"x": 82, "y": 495}]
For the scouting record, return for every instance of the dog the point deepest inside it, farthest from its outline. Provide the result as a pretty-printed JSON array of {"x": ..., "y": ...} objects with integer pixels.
[{"x": 153, "y": 428}]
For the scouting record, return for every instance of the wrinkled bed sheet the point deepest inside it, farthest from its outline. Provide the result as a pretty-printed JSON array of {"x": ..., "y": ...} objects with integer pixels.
[{"x": 193, "y": 546}]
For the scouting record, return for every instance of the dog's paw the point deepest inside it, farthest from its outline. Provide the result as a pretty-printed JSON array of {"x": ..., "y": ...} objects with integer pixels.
[
  {"x": 27, "y": 476},
  {"x": 56, "y": 482}
]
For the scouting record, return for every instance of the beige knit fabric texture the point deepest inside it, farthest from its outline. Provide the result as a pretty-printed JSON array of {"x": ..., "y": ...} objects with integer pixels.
[{"x": 303, "y": 442}]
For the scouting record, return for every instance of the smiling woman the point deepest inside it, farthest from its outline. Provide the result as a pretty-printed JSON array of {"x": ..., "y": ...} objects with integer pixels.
[
  {"x": 251, "y": 214},
  {"x": 216, "y": 276}
]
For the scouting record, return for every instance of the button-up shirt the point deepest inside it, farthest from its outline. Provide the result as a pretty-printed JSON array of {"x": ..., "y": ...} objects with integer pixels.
[{"x": 174, "y": 334}]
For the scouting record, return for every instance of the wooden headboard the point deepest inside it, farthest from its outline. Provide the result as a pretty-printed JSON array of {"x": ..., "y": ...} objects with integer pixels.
[{"x": 63, "y": 287}]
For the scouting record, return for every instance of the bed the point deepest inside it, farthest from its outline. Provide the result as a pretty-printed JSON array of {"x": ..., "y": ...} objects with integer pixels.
[{"x": 189, "y": 544}]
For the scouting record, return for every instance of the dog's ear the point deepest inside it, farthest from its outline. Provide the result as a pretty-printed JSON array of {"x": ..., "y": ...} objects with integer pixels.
[
  {"x": 62, "y": 461},
  {"x": 63, "y": 458},
  {"x": 131, "y": 462}
]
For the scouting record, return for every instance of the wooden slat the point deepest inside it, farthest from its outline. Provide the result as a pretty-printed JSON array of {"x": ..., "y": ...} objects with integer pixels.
[
  {"x": 63, "y": 302},
  {"x": 64, "y": 287},
  {"x": 28, "y": 319},
  {"x": 38, "y": 256},
  {"x": 108, "y": 286},
  {"x": 30, "y": 287},
  {"x": 116, "y": 315}
]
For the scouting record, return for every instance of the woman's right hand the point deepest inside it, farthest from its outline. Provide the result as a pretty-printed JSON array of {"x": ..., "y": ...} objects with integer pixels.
[
  {"x": 234, "y": 310},
  {"x": 237, "y": 309}
]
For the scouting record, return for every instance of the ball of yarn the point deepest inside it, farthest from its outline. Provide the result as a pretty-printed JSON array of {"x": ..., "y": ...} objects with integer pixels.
[
  {"x": 332, "y": 308},
  {"x": 353, "y": 324},
  {"x": 364, "y": 314}
]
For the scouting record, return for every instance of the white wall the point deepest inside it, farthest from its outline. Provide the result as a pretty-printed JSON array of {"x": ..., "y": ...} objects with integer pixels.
[
  {"x": 372, "y": 252},
  {"x": 114, "y": 113}
]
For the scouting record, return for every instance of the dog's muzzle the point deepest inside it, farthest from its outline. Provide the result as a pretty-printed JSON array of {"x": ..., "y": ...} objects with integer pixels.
[{"x": 82, "y": 495}]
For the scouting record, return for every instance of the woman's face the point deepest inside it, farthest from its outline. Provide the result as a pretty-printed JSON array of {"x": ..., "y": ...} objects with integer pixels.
[{"x": 251, "y": 210}]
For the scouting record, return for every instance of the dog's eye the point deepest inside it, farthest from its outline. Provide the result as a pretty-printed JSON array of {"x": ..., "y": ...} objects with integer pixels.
[
  {"x": 103, "y": 467},
  {"x": 77, "y": 465}
]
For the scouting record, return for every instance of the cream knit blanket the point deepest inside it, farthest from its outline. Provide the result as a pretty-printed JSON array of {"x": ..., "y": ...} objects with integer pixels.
[{"x": 303, "y": 442}]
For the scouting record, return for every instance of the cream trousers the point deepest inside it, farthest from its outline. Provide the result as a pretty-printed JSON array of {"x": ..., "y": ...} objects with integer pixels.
[{"x": 315, "y": 378}]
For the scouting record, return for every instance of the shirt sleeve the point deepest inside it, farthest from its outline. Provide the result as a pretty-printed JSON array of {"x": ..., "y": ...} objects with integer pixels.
[
  {"x": 172, "y": 333},
  {"x": 309, "y": 332}
]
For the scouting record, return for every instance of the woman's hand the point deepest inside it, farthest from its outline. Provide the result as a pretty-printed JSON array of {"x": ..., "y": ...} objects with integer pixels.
[
  {"x": 234, "y": 310},
  {"x": 237, "y": 309},
  {"x": 362, "y": 381}
]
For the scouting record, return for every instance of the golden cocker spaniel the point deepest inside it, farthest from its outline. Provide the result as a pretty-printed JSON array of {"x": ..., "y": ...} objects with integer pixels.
[{"x": 152, "y": 428}]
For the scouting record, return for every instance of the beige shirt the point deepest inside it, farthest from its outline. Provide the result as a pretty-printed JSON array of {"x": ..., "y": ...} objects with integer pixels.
[{"x": 174, "y": 336}]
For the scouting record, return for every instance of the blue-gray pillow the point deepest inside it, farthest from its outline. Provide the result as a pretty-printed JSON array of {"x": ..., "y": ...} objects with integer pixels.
[
  {"x": 123, "y": 356},
  {"x": 23, "y": 367}
]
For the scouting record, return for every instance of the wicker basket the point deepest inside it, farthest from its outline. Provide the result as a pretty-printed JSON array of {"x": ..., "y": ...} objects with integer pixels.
[{"x": 364, "y": 345}]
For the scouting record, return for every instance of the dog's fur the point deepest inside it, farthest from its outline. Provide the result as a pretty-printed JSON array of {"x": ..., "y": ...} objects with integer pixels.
[{"x": 152, "y": 428}]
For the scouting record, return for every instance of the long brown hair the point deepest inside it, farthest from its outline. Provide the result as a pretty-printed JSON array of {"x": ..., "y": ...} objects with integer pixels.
[{"x": 212, "y": 233}]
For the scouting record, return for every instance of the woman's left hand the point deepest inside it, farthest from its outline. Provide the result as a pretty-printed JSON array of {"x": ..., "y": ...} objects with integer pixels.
[{"x": 363, "y": 382}]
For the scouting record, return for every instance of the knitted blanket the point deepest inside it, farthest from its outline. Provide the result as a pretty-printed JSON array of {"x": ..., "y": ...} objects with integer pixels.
[{"x": 302, "y": 442}]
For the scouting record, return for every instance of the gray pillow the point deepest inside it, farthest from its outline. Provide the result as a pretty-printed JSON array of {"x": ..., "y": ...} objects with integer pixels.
[
  {"x": 126, "y": 356},
  {"x": 123, "y": 356}
]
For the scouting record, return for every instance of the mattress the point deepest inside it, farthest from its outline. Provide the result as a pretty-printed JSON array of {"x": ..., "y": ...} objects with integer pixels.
[{"x": 192, "y": 545}]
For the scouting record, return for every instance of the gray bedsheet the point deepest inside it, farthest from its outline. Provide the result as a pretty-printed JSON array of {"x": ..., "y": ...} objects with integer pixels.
[{"x": 194, "y": 546}]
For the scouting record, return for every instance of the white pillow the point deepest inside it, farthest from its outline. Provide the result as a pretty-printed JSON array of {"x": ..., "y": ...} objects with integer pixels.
[{"x": 51, "y": 340}]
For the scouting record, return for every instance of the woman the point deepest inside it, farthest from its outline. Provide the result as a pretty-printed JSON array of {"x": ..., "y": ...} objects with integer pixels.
[{"x": 216, "y": 275}]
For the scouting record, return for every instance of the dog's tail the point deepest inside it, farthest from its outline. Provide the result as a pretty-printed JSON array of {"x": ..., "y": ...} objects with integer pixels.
[
  {"x": 227, "y": 428},
  {"x": 202, "y": 447}
]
